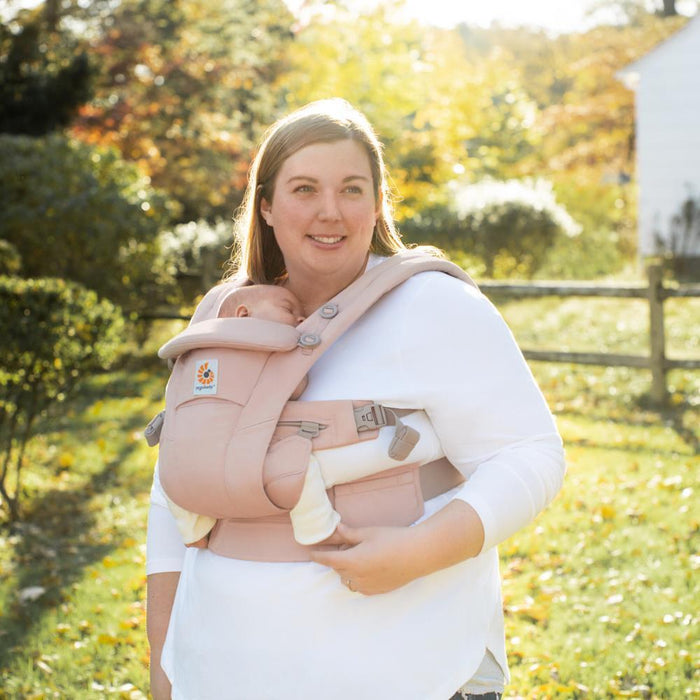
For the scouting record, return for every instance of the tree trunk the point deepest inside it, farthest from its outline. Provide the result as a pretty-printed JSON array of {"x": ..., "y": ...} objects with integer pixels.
[
  {"x": 52, "y": 14},
  {"x": 669, "y": 8}
]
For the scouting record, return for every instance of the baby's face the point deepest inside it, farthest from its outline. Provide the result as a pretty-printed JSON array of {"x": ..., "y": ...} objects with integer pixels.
[{"x": 277, "y": 304}]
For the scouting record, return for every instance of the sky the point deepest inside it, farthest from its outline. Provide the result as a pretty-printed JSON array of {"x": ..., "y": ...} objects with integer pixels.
[{"x": 554, "y": 16}]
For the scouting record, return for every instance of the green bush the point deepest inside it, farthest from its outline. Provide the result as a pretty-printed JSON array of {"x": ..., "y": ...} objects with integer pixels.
[
  {"x": 510, "y": 226},
  {"x": 10, "y": 259},
  {"x": 195, "y": 253},
  {"x": 81, "y": 213},
  {"x": 52, "y": 334}
]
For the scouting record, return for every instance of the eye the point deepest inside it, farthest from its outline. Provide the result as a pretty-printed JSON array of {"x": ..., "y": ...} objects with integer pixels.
[
  {"x": 303, "y": 189},
  {"x": 354, "y": 189}
]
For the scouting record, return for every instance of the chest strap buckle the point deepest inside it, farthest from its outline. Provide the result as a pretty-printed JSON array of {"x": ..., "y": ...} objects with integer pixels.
[
  {"x": 374, "y": 416},
  {"x": 370, "y": 417}
]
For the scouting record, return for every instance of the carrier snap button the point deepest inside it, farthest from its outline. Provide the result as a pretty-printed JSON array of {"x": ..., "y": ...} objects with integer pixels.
[
  {"x": 309, "y": 340},
  {"x": 329, "y": 311}
]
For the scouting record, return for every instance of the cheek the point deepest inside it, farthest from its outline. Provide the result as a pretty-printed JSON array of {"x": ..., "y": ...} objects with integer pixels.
[
  {"x": 291, "y": 214},
  {"x": 364, "y": 216}
]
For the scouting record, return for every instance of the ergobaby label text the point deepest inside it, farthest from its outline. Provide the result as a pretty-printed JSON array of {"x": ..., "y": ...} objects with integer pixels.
[{"x": 206, "y": 377}]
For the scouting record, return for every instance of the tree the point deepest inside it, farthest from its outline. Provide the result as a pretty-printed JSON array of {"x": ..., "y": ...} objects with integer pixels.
[
  {"x": 439, "y": 111},
  {"x": 183, "y": 89},
  {"x": 634, "y": 12},
  {"x": 81, "y": 213},
  {"x": 45, "y": 74}
]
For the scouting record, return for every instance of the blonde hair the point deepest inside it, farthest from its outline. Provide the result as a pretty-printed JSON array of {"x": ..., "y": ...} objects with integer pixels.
[{"x": 256, "y": 254}]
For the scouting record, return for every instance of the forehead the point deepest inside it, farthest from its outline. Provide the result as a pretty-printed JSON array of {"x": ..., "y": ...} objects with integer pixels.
[
  {"x": 277, "y": 294},
  {"x": 334, "y": 159}
]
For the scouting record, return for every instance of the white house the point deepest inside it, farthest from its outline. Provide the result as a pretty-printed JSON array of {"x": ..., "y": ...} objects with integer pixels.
[{"x": 667, "y": 85}]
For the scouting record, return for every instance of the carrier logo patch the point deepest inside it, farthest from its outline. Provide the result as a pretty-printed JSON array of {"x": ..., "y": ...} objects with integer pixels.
[{"x": 205, "y": 377}]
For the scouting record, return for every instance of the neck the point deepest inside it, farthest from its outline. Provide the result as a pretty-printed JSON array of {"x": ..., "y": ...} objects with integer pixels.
[{"x": 315, "y": 292}]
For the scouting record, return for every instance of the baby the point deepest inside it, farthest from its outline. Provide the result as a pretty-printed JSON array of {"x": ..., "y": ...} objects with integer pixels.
[
  {"x": 313, "y": 518},
  {"x": 265, "y": 301}
]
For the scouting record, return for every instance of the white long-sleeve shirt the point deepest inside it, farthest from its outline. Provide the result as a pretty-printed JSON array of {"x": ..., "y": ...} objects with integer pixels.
[{"x": 246, "y": 630}]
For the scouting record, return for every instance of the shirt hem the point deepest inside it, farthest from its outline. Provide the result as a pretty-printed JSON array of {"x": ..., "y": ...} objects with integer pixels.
[{"x": 164, "y": 566}]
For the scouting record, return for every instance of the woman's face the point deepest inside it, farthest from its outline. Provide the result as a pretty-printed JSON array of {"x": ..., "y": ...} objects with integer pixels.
[{"x": 323, "y": 213}]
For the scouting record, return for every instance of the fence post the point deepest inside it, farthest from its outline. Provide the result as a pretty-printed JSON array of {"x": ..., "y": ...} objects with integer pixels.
[{"x": 657, "y": 357}]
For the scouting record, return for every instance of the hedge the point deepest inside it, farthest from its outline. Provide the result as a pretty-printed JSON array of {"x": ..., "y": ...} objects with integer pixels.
[{"x": 52, "y": 334}]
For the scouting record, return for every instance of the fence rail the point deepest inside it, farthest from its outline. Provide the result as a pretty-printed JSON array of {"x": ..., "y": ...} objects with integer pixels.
[{"x": 653, "y": 291}]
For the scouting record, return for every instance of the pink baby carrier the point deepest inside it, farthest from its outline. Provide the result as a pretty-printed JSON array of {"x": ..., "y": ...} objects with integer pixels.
[{"x": 235, "y": 448}]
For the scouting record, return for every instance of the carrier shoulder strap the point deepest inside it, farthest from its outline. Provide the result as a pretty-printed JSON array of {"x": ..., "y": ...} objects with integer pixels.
[{"x": 283, "y": 371}]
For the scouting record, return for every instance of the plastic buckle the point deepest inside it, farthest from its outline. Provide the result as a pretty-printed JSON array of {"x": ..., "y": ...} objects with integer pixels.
[{"x": 370, "y": 417}]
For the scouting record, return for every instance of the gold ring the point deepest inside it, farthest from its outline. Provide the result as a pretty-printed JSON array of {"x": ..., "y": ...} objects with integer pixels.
[{"x": 348, "y": 583}]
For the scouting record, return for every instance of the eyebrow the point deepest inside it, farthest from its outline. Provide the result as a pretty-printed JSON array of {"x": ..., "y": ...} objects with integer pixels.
[{"x": 308, "y": 178}]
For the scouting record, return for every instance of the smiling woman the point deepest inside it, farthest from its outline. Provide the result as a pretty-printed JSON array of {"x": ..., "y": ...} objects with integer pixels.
[{"x": 386, "y": 607}]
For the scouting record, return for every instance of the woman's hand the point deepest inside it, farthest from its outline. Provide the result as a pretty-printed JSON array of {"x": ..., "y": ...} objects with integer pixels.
[
  {"x": 376, "y": 560},
  {"x": 372, "y": 559}
]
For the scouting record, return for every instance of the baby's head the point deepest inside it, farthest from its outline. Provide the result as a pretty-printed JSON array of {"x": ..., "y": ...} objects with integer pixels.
[{"x": 264, "y": 301}]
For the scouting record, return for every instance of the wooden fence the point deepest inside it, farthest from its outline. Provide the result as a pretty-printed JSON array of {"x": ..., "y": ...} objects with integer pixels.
[{"x": 654, "y": 291}]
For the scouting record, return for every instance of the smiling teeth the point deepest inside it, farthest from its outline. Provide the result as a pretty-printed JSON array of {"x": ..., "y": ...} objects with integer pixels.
[{"x": 327, "y": 239}]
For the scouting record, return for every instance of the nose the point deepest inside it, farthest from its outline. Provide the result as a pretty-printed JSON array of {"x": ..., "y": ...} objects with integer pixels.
[{"x": 329, "y": 210}]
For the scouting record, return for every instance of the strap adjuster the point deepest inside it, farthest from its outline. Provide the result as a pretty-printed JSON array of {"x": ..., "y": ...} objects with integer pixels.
[
  {"x": 153, "y": 429},
  {"x": 307, "y": 428},
  {"x": 370, "y": 417}
]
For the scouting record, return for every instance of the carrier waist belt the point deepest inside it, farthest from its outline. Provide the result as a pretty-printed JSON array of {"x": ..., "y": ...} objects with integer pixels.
[{"x": 394, "y": 497}]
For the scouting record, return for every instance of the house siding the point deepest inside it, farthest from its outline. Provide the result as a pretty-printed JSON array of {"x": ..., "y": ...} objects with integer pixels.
[{"x": 668, "y": 132}]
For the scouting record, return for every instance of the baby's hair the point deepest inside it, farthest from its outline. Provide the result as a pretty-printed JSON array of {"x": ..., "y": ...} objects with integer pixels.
[
  {"x": 246, "y": 296},
  {"x": 250, "y": 293}
]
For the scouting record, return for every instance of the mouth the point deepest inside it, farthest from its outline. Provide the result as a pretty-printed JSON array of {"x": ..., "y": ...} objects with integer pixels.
[{"x": 327, "y": 240}]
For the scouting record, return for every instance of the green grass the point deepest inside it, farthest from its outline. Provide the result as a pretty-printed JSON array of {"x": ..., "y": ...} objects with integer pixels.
[
  {"x": 599, "y": 592},
  {"x": 603, "y": 325}
]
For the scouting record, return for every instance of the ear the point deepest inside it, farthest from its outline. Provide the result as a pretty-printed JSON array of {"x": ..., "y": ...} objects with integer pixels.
[
  {"x": 241, "y": 311},
  {"x": 266, "y": 211}
]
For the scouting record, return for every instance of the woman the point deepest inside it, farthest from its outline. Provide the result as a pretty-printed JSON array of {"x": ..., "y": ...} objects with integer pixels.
[{"x": 397, "y": 612}]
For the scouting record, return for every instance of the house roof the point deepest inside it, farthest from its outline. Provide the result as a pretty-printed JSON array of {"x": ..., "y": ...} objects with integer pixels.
[{"x": 630, "y": 74}]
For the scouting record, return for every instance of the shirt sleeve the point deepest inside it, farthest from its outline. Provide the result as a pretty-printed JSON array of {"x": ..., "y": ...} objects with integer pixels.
[
  {"x": 465, "y": 369},
  {"x": 165, "y": 549}
]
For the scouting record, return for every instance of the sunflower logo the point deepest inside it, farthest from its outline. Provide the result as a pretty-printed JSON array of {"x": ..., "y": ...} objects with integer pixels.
[
  {"x": 205, "y": 374},
  {"x": 206, "y": 377}
]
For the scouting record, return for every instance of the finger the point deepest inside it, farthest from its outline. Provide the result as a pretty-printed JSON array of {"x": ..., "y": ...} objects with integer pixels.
[
  {"x": 349, "y": 535},
  {"x": 332, "y": 558},
  {"x": 333, "y": 539}
]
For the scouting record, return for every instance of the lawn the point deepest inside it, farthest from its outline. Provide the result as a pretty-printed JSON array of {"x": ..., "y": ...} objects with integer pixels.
[{"x": 600, "y": 593}]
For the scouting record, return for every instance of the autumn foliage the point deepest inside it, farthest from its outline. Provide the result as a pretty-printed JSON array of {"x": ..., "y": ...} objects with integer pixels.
[{"x": 183, "y": 90}]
